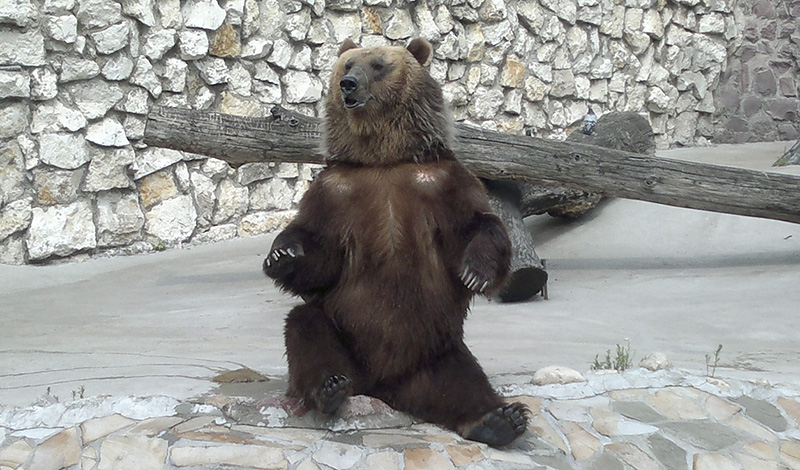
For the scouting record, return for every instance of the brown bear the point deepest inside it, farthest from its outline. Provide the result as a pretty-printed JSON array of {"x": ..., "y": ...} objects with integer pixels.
[{"x": 390, "y": 244}]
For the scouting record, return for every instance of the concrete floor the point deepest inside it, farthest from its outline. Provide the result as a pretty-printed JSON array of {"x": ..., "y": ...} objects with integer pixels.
[{"x": 661, "y": 278}]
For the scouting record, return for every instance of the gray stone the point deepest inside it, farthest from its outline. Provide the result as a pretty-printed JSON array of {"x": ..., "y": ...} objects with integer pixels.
[
  {"x": 265, "y": 73},
  {"x": 62, "y": 28},
  {"x": 52, "y": 116},
  {"x": 193, "y": 44},
  {"x": 240, "y": 82},
  {"x": 73, "y": 69},
  {"x": 57, "y": 186},
  {"x": 216, "y": 234},
  {"x": 99, "y": 13},
  {"x": 337, "y": 456},
  {"x": 172, "y": 221},
  {"x": 281, "y": 55},
  {"x": 174, "y": 75},
  {"x": 302, "y": 59},
  {"x": 153, "y": 159},
  {"x": 652, "y": 23},
  {"x": 764, "y": 412},
  {"x": 423, "y": 18},
  {"x": 95, "y": 98},
  {"x": 15, "y": 217},
  {"x": 15, "y": 83},
  {"x": 344, "y": 26},
  {"x": 257, "y": 47},
  {"x": 655, "y": 361},
  {"x": 204, "y": 191},
  {"x": 107, "y": 133},
  {"x": 302, "y": 87},
  {"x": 12, "y": 251},
  {"x": 564, "y": 9},
  {"x": 557, "y": 375},
  {"x": 232, "y": 201},
  {"x": 669, "y": 454},
  {"x": 118, "y": 67},
  {"x": 14, "y": 116},
  {"x": 253, "y": 172},
  {"x": 22, "y": 48},
  {"x": 61, "y": 230},
  {"x": 711, "y": 23},
  {"x": 111, "y": 39},
  {"x": 606, "y": 461},
  {"x": 144, "y": 76},
  {"x": 43, "y": 84},
  {"x": 13, "y": 181},
  {"x": 297, "y": 25},
  {"x": 398, "y": 25},
  {"x": 135, "y": 101},
  {"x": 257, "y": 223},
  {"x": 705, "y": 435},
  {"x": 272, "y": 194},
  {"x": 204, "y": 14},
  {"x": 708, "y": 52},
  {"x": 18, "y": 12},
  {"x": 119, "y": 218},
  {"x": 142, "y": 10},
  {"x": 158, "y": 42},
  {"x": 638, "y": 411},
  {"x": 485, "y": 103},
  {"x": 213, "y": 70},
  {"x": 563, "y": 83},
  {"x": 58, "y": 6},
  {"x": 109, "y": 169},
  {"x": 170, "y": 11},
  {"x": 67, "y": 151},
  {"x": 132, "y": 452}
]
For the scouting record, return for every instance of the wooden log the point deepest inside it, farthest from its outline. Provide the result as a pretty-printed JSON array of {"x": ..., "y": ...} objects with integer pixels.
[
  {"x": 496, "y": 156},
  {"x": 626, "y": 131},
  {"x": 527, "y": 274}
]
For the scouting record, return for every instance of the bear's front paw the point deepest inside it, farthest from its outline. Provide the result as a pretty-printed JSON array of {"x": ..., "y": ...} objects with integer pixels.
[
  {"x": 501, "y": 426},
  {"x": 476, "y": 280},
  {"x": 280, "y": 261}
]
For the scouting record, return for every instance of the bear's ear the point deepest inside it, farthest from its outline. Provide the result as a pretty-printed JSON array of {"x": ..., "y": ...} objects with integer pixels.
[
  {"x": 346, "y": 46},
  {"x": 421, "y": 50}
]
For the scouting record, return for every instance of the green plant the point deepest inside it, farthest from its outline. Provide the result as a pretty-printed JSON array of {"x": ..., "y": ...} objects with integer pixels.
[
  {"x": 79, "y": 393},
  {"x": 622, "y": 360},
  {"x": 712, "y": 361}
]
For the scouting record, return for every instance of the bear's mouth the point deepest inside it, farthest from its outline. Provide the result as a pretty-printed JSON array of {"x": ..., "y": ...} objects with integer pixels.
[{"x": 353, "y": 103}]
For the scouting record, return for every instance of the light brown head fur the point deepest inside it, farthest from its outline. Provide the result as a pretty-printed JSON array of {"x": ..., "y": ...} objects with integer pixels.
[{"x": 384, "y": 108}]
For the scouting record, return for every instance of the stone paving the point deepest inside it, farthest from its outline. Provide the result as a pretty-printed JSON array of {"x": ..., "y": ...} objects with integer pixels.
[{"x": 639, "y": 419}]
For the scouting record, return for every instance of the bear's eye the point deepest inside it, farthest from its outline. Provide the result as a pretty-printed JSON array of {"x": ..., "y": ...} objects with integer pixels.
[
  {"x": 377, "y": 66},
  {"x": 348, "y": 65}
]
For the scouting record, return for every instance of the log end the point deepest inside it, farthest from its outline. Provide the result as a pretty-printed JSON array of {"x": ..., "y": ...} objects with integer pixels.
[{"x": 524, "y": 284}]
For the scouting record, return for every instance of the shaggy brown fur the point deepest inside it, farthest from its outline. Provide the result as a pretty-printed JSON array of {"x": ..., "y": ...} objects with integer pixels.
[{"x": 391, "y": 242}]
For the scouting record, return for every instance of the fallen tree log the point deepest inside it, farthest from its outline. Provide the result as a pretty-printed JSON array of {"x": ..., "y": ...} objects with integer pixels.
[{"x": 492, "y": 155}]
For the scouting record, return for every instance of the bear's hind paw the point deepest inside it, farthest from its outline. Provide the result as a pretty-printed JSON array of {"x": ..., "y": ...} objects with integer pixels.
[
  {"x": 333, "y": 392},
  {"x": 501, "y": 426}
]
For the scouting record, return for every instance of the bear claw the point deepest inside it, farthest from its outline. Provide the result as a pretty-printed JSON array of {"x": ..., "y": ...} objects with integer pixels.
[
  {"x": 501, "y": 425},
  {"x": 473, "y": 281},
  {"x": 332, "y": 393}
]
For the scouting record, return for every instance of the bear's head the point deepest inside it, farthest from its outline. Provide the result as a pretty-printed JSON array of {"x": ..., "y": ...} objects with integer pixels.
[{"x": 384, "y": 108}]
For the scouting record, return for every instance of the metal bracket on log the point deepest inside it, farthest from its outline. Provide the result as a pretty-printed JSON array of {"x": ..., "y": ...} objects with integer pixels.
[{"x": 286, "y": 136}]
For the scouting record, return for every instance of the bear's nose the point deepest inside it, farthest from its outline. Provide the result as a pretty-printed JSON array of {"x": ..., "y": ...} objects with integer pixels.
[{"x": 348, "y": 84}]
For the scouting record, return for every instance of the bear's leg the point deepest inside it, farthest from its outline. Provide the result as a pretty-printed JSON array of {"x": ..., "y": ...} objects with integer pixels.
[
  {"x": 454, "y": 392},
  {"x": 321, "y": 370}
]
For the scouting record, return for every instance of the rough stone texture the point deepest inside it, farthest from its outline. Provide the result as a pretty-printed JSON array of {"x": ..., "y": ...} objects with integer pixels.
[
  {"x": 61, "y": 230},
  {"x": 77, "y": 79}
]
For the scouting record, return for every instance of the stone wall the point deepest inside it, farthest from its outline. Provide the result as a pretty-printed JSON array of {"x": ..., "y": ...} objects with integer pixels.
[
  {"x": 759, "y": 94},
  {"x": 77, "y": 78}
]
